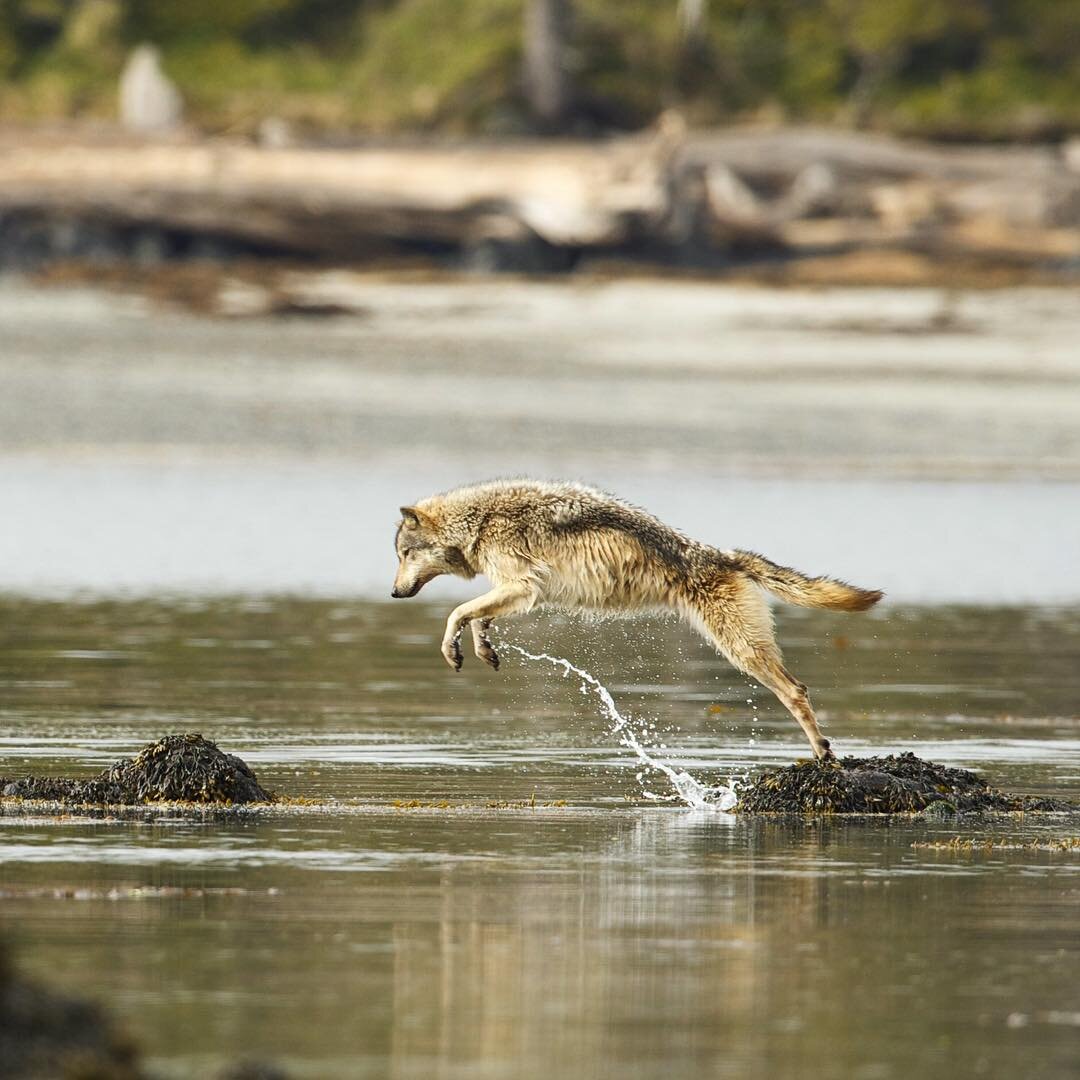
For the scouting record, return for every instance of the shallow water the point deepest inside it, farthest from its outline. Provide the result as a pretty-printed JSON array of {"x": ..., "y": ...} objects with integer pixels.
[{"x": 603, "y": 936}]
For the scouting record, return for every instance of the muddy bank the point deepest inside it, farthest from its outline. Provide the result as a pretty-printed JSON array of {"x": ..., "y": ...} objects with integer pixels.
[
  {"x": 896, "y": 784},
  {"x": 243, "y": 285},
  {"x": 176, "y": 768}
]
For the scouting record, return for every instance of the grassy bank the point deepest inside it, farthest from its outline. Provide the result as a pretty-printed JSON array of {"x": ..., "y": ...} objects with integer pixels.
[{"x": 935, "y": 68}]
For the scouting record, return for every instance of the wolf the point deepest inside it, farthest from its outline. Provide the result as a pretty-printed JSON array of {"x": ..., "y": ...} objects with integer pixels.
[{"x": 570, "y": 546}]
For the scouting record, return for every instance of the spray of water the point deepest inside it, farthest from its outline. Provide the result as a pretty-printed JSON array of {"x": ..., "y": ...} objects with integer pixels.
[{"x": 693, "y": 792}]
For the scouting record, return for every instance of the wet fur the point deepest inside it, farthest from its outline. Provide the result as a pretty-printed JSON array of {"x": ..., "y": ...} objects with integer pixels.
[{"x": 570, "y": 546}]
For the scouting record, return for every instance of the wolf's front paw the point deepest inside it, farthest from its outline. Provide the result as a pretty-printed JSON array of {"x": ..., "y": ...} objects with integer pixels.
[
  {"x": 488, "y": 654},
  {"x": 451, "y": 651}
]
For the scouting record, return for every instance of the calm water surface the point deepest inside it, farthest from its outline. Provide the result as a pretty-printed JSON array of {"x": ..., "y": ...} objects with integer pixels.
[{"x": 603, "y": 936}]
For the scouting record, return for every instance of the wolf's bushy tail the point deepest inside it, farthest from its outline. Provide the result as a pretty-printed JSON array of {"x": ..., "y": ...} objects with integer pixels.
[{"x": 796, "y": 588}]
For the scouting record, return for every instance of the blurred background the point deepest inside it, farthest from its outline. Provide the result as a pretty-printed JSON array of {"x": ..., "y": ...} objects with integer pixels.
[
  {"x": 982, "y": 69},
  {"x": 796, "y": 275}
]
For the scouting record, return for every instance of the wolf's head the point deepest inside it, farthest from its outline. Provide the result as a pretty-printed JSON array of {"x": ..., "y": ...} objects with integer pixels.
[{"x": 424, "y": 552}]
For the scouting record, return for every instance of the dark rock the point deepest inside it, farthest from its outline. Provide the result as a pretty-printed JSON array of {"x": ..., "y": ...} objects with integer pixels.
[
  {"x": 880, "y": 785},
  {"x": 177, "y": 768},
  {"x": 44, "y": 1034}
]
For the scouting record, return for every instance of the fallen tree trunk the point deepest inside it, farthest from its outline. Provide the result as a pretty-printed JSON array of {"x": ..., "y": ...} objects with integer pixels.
[{"x": 326, "y": 201}]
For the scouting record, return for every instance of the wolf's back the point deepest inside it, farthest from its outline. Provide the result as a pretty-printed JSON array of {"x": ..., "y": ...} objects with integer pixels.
[{"x": 796, "y": 588}]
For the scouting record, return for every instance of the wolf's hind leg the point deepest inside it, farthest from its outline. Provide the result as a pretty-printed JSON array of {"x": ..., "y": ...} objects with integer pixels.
[
  {"x": 482, "y": 643},
  {"x": 770, "y": 672},
  {"x": 739, "y": 624}
]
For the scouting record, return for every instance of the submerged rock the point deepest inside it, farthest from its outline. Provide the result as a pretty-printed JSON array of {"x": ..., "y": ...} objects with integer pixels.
[
  {"x": 880, "y": 785},
  {"x": 177, "y": 768},
  {"x": 45, "y": 1034}
]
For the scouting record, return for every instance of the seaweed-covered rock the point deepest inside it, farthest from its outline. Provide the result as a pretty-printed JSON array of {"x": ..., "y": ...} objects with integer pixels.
[
  {"x": 177, "y": 768},
  {"x": 879, "y": 785},
  {"x": 44, "y": 1034}
]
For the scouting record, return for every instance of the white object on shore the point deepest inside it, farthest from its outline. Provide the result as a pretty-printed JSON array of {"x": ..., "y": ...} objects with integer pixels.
[
  {"x": 149, "y": 100},
  {"x": 1071, "y": 153}
]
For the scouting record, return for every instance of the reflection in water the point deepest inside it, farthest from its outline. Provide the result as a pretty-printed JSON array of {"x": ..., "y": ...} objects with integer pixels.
[
  {"x": 601, "y": 938},
  {"x": 735, "y": 953},
  {"x": 576, "y": 943}
]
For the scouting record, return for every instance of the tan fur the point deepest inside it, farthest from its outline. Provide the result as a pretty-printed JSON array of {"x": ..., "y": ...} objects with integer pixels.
[{"x": 570, "y": 546}]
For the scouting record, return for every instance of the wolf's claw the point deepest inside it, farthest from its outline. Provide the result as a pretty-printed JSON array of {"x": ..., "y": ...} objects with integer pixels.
[
  {"x": 489, "y": 656},
  {"x": 451, "y": 651}
]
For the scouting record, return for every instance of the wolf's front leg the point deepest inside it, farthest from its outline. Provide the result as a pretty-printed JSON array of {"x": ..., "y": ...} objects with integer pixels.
[
  {"x": 482, "y": 643},
  {"x": 502, "y": 600},
  {"x": 451, "y": 650}
]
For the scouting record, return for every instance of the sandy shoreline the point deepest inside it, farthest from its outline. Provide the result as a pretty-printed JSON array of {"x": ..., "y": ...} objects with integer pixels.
[{"x": 503, "y": 376}]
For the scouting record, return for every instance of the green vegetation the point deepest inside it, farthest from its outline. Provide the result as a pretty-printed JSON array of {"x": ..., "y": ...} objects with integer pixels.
[{"x": 951, "y": 68}]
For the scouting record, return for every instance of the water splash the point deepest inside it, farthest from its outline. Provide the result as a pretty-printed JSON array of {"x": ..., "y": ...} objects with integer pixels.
[{"x": 692, "y": 791}]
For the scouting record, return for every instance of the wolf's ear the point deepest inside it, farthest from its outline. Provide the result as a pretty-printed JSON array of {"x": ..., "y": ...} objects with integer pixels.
[{"x": 414, "y": 518}]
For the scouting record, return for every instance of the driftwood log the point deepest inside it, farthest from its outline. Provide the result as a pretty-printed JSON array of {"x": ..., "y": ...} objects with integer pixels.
[
  {"x": 821, "y": 187},
  {"x": 697, "y": 196},
  {"x": 333, "y": 201}
]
